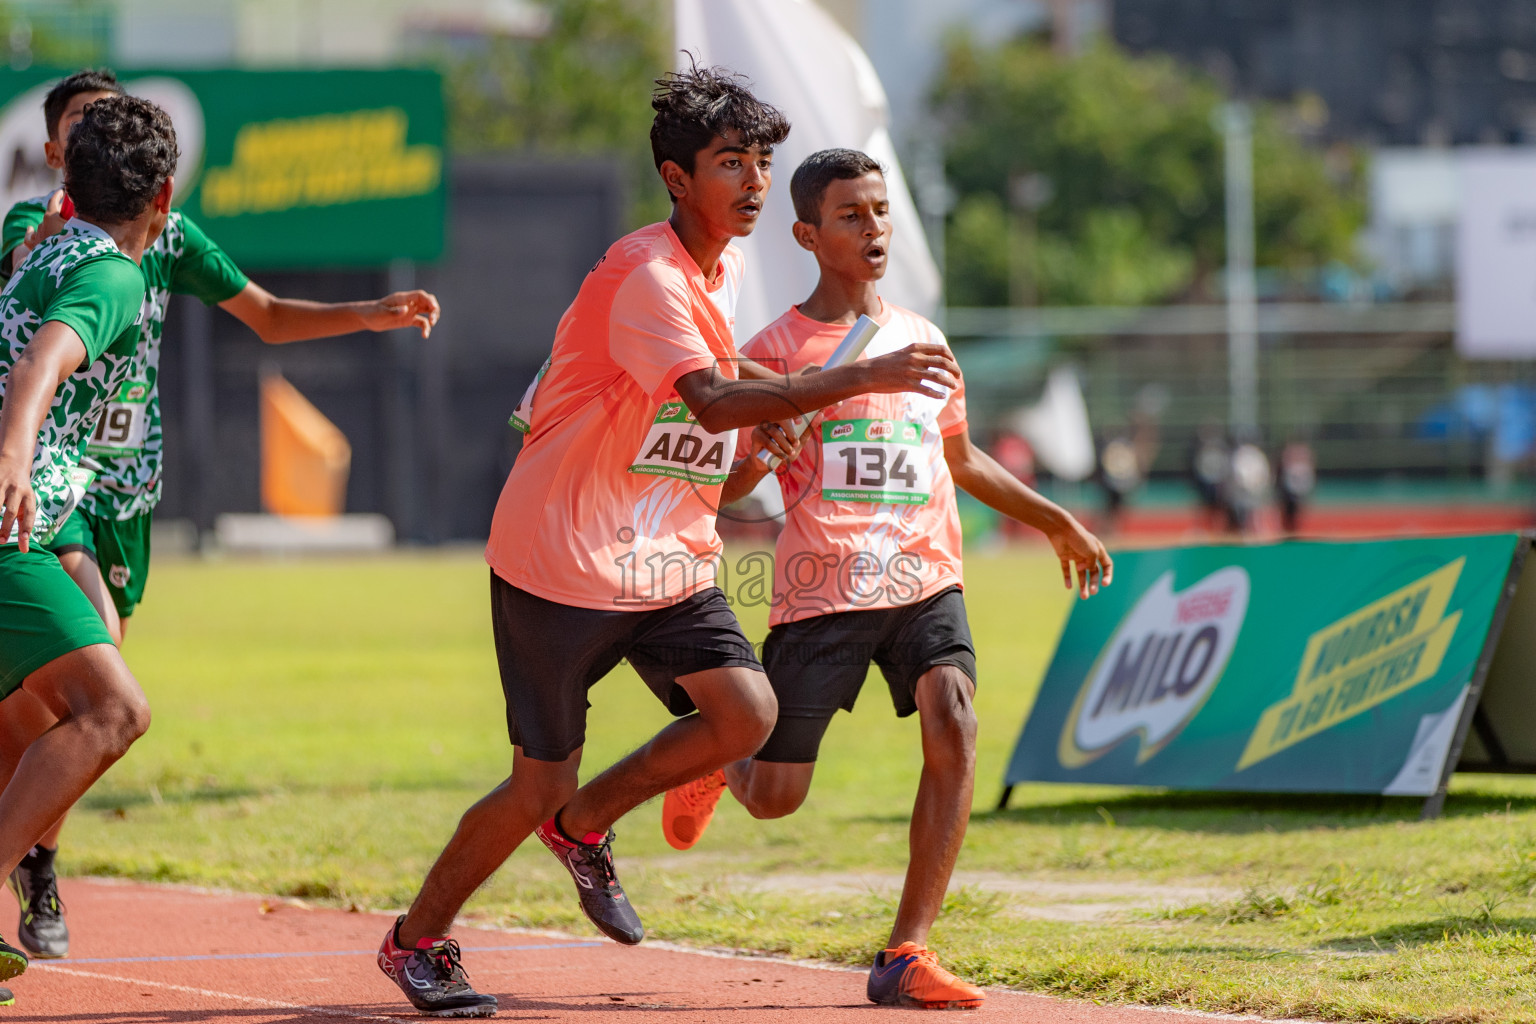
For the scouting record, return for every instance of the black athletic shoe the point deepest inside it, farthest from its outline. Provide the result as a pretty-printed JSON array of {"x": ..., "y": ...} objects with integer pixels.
[
  {"x": 597, "y": 885},
  {"x": 12, "y": 961},
  {"x": 7, "y": 997},
  {"x": 432, "y": 977},
  {"x": 42, "y": 930}
]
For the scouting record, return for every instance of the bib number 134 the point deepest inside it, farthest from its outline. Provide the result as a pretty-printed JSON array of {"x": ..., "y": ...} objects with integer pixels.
[{"x": 876, "y": 461}]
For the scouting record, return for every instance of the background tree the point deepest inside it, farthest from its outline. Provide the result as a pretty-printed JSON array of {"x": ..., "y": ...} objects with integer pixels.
[
  {"x": 583, "y": 88},
  {"x": 1134, "y": 209}
]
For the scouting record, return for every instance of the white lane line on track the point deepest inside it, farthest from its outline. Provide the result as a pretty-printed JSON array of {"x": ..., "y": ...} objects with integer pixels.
[
  {"x": 276, "y": 1004},
  {"x": 720, "y": 954},
  {"x": 816, "y": 965},
  {"x": 308, "y": 953}
]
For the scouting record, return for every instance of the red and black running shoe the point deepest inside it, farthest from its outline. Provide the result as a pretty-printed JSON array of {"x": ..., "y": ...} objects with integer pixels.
[
  {"x": 432, "y": 977},
  {"x": 590, "y": 862}
]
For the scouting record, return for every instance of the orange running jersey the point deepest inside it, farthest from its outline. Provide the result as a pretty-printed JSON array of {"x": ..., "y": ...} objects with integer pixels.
[
  {"x": 612, "y": 501},
  {"x": 871, "y": 519}
]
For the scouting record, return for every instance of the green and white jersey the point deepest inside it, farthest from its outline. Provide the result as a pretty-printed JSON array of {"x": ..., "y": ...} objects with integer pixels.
[
  {"x": 26, "y": 214},
  {"x": 80, "y": 278},
  {"x": 127, "y": 440}
]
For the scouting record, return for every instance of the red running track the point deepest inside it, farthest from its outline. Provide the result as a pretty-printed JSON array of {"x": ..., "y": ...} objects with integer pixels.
[{"x": 151, "y": 955}]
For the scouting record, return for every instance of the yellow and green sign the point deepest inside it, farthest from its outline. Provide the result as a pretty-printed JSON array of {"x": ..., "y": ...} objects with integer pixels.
[
  {"x": 1301, "y": 666},
  {"x": 284, "y": 169}
]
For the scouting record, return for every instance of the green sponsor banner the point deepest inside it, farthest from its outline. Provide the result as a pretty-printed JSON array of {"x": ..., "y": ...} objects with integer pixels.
[
  {"x": 283, "y": 169},
  {"x": 1302, "y": 667}
]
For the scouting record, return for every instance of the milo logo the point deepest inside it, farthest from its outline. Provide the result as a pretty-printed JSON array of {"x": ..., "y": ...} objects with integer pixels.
[
  {"x": 879, "y": 430},
  {"x": 908, "y": 432},
  {"x": 842, "y": 430},
  {"x": 669, "y": 410},
  {"x": 135, "y": 392},
  {"x": 1159, "y": 667}
]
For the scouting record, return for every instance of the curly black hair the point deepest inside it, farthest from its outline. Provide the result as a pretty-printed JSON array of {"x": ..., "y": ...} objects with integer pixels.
[
  {"x": 697, "y": 106},
  {"x": 88, "y": 80},
  {"x": 119, "y": 155},
  {"x": 809, "y": 185}
]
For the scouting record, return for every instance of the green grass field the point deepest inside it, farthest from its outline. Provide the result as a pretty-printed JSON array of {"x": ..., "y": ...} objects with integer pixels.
[{"x": 319, "y": 726}]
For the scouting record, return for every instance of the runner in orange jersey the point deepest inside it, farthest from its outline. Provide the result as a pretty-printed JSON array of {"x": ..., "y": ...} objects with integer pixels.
[
  {"x": 868, "y": 568},
  {"x": 603, "y": 546}
]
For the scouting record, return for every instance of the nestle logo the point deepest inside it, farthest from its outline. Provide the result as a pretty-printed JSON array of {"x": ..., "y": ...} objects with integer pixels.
[
  {"x": 880, "y": 429},
  {"x": 1201, "y": 607}
]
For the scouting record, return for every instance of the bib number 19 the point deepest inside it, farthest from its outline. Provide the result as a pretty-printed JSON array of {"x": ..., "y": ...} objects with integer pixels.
[{"x": 123, "y": 423}]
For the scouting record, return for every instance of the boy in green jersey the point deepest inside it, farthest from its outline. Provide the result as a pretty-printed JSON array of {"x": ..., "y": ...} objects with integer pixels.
[
  {"x": 105, "y": 547},
  {"x": 70, "y": 317}
]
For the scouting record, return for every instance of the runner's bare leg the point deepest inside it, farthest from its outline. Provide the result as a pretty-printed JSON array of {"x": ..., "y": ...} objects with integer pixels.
[
  {"x": 736, "y": 713},
  {"x": 101, "y": 711},
  {"x": 943, "y": 806},
  {"x": 487, "y": 835}
]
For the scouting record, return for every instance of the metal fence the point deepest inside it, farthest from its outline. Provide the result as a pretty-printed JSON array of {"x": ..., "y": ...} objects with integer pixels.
[{"x": 1375, "y": 388}]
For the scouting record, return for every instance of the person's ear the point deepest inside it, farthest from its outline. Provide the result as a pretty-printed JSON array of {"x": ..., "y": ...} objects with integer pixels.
[
  {"x": 167, "y": 190},
  {"x": 53, "y": 152},
  {"x": 675, "y": 178},
  {"x": 805, "y": 234}
]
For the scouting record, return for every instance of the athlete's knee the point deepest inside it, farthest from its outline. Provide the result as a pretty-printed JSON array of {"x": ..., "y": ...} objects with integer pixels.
[
  {"x": 771, "y": 789},
  {"x": 946, "y": 710},
  {"x": 119, "y": 720},
  {"x": 543, "y": 787},
  {"x": 743, "y": 719},
  {"x": 775, "y": 803},
  {"x": 753, "y": 726}
]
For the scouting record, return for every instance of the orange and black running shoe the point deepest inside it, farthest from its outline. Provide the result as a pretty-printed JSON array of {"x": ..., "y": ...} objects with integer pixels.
[
  {"x": 910, "y": 975},
  {"x": 687, "y": 810}
]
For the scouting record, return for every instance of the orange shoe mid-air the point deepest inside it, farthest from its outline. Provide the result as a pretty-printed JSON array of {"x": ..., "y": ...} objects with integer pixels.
[{"x": 687, "y": 810}]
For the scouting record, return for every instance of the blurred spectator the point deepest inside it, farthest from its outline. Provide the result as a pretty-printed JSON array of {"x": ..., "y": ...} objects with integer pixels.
[
  {"x": 1146, "y": 424},
  {"x": 1125, "y": 460},
  {"x": 1210, "y": 461},
  {"x": 1247, "y": 486},
  {"x": 1017, "y": 456},
  {"x": 1296, "y": 480},
  {"x": 1120, "y": 474}
]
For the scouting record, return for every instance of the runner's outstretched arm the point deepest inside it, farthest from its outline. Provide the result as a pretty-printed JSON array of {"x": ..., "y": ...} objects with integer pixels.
[
  {"x": 721, "y": 404},
  {"x": 54, "y": 353},
  {"x": 278, "y": 321},
  {"x": 979, "y": 475},
  {"x": 776, "y": 439}
]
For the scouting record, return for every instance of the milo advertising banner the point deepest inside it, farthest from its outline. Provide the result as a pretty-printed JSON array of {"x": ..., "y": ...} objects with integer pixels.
[
  {"x": 283, "y": 169},
  {"x": 1302, "y": 666}
]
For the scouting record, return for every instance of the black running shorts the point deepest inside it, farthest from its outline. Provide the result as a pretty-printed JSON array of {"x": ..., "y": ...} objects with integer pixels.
[
  {"x": 550, "y": 654},
  {"x": 819, "y": 664}
]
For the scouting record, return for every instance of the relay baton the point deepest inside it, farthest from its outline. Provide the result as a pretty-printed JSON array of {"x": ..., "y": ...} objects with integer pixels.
[{"x": 849, "y": 349}]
